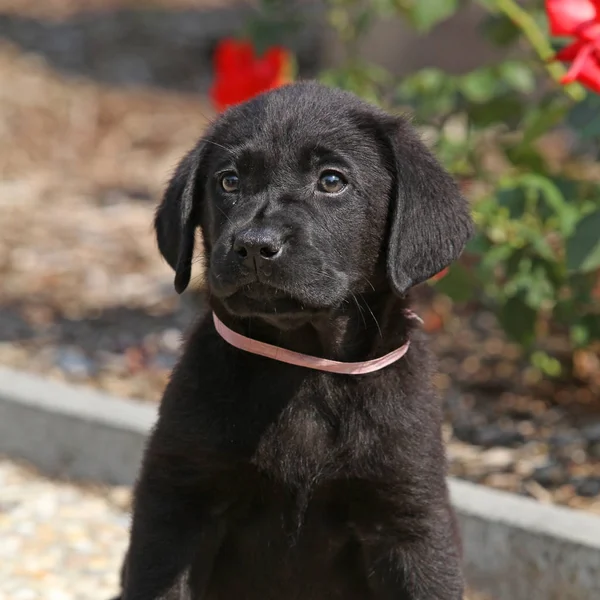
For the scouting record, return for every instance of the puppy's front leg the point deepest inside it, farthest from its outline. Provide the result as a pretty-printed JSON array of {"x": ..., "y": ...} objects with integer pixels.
[
  {"x": 170, "y": 527},
  {"x": 163, "y": 537},
  {"x": 417, "y": 565}
]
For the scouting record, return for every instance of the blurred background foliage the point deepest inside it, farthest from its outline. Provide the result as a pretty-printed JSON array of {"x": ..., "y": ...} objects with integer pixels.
[{"x": 536, "y": 257}]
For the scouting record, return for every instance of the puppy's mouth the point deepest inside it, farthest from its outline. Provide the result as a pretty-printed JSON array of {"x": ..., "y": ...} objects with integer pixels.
[{"x": 256, "y": 299}]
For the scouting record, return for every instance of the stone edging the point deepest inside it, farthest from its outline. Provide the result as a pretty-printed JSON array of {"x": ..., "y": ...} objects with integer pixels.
[
  {"x": 514, "y": 548},
  {"x": 72, "y": 431}
]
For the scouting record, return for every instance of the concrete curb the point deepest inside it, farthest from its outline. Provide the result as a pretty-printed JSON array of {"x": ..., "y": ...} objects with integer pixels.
[
  {"x": 72, "y": 431},
  {"x": 518, "y": 549},
  {"x": 514, "y": 548}
]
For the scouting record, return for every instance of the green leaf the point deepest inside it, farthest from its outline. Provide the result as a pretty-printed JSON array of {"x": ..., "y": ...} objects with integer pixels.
[
  {"x": 478, "y": 244},
  {"x": 364, "y": 21},
  {"x": 553, "y": 197},
  {"x": 429, "y": 92},
  {"x": 543, "y": 118},
  {"x": 539, "y": 289},
  {"x": 496, "y": 254},
  {"x": 592, "y": 322},
  {"x": 384, "y": 7},
  {"x": 513, "y": 264},
  {"x": 273, "y": 24},
  {"x": 583, "y": 247},
  {"x": 518, "y": 320},
  {"x": 544, "y": 250},
  {"x": 505, "y": 108},
  {"x": 569, "y": 188},
  {"x": 428, "y": 80},
  {"x": 500, "y": 30},
  {"x": 580, "y": 335},
  {"x": 478, "y": 86},
  {"x": 518, "y": 76},
  {"x": 526, "y": 156},
  {"x": 458, "y": 283},
  {"x": 425, "y": 14},
  {"x": 584, "y": 117},
  {"x": 546, "y": 363},
  {"x": 585, "y": 330},
  {"x": 514, "y": 199},
  {"x": 582, "y": 287}
]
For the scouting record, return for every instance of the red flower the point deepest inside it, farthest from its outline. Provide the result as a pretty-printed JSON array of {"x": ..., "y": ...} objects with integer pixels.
[
  {"x": 581, "y": 20},
  {"x": 240, "y": 75},
  {"x": 440, "y": 275}
]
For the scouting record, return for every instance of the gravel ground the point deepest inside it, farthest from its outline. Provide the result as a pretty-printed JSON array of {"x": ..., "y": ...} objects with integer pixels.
[{"x": 59, "y": 541}]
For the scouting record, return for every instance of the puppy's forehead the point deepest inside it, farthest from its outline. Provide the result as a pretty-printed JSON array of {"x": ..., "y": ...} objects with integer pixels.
[{"x": 306, "y": 130}]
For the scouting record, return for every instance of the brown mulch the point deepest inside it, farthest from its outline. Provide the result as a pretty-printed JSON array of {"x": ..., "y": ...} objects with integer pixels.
[
  {"x": 506, "y": 425},
  {"x": 85, "y": 296},
  {"x": 81, "y": 168}
]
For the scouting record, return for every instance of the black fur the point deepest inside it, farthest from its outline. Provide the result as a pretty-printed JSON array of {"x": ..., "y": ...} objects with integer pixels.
[{"x": 266, "y": 481}]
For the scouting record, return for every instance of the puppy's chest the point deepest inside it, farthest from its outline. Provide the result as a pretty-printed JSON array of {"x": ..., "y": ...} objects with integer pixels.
[
  {"x": 300, "y": 448},
  {"x": 303, "y": 471}
]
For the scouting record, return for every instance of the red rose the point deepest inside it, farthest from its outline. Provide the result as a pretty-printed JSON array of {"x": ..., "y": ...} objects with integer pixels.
[
  {"x": 240, "y": 75},
  {"x": 579, "y": 19},
  {"x": 440, "y": 275}
]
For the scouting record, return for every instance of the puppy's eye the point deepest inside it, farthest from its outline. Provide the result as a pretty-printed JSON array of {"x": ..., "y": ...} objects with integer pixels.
[
  {"x": 230, "y": 182},
  {"x": 332, "y": 182}
]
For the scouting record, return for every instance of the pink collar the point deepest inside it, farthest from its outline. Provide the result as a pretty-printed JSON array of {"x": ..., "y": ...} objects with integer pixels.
[{"x": 304, "y": 360}]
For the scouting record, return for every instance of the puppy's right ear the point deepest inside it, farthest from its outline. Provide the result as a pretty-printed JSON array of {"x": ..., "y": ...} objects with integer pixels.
[
  {"x": 430, "y": 218},
  {"x": 177, "y": 216}
]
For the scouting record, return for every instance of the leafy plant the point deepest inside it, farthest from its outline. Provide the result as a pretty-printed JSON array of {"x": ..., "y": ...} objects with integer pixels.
[{"x": 537, "y": 251}]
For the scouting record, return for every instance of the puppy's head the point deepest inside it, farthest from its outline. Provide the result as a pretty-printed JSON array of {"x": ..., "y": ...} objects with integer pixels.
[{"x": 305, "y": 196}]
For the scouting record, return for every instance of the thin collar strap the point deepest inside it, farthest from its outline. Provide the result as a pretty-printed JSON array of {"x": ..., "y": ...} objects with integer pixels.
[{"x": 310, "y": 362}]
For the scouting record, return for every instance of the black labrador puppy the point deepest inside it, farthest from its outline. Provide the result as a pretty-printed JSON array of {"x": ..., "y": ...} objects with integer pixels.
[{"x": 265, "y": 480}]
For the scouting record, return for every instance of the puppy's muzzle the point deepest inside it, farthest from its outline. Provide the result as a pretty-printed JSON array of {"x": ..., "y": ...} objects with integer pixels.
[{"x": 257, "y": 248}]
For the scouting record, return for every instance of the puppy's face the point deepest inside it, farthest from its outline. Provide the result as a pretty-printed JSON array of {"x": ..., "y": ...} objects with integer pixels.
[
  {"x": 295, "y": 209},
  {"x": 307, "y": 196}
]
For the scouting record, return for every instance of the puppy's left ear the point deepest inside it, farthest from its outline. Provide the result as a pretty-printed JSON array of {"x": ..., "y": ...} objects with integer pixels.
[
  {"x": 430, "y": 219},
  {"x": 177, "y": 216}
]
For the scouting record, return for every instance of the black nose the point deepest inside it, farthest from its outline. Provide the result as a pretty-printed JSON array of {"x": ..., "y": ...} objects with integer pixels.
[{"x": 259, "y": 244}]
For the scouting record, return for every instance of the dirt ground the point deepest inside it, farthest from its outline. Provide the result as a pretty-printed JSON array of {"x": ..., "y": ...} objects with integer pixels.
[{"x": 85, "y": 297}]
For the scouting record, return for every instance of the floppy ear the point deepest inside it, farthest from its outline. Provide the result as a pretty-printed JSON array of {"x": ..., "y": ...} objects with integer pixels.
[
  {"x": 177, "y": 216},
  {"x": 430, "y": 219}
]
